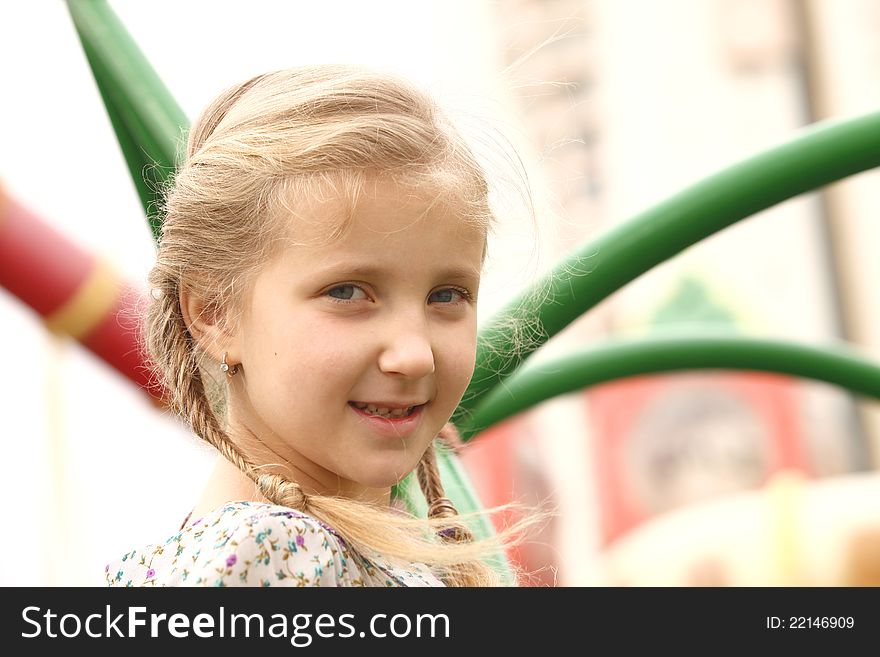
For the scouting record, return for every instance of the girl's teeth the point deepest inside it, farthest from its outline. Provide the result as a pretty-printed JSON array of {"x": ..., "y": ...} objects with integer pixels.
[{"x": 385, "y": 412}]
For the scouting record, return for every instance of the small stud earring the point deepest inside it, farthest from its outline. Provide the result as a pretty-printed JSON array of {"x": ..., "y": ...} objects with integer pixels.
[{"x": 224, "y": 367}]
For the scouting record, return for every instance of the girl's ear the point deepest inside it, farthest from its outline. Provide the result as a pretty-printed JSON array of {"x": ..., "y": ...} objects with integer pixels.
[{"x": 206, "y": 325}]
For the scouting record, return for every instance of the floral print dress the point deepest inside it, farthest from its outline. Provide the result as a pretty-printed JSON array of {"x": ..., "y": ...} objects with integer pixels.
[{"x": 259, "y": 544}]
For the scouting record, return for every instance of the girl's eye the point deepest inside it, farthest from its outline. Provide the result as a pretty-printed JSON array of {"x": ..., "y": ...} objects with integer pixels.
[
  {"x": 345, "y": 293},
  {"x": 447, "y": 295}
]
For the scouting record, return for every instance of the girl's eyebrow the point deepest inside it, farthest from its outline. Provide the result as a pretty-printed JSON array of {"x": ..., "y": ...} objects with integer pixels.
[{"x": 447, "y": 273}]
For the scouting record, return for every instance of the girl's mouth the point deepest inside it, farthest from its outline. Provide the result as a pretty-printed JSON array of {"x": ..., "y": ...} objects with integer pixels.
[
  {"x": 386, "y": 413},
  {"x": 395, "y": 421}
]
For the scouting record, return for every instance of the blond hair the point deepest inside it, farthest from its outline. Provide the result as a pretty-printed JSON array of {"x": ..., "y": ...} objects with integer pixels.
[{"x": 294, "y": 134}]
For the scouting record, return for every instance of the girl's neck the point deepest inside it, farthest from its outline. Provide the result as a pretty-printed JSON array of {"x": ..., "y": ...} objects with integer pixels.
[{"x": 227, "y": 483}]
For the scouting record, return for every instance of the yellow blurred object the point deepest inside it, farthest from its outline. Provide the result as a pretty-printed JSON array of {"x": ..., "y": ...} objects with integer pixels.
[
  {"x": 794, "y": 531},
  {"x": 784, "y": 494}
]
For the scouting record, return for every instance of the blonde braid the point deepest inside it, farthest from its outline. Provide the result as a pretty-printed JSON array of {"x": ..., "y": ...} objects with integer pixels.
[
  {"x": 440, "y": 506},
  {"x": 190, "y": 399}
]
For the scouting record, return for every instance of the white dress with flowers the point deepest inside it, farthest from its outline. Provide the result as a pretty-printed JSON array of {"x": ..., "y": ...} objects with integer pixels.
[{"x": 259, "y": 544}]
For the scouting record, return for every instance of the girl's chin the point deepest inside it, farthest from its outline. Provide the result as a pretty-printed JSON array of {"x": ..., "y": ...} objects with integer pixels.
[{"x": 386, "y": 478}]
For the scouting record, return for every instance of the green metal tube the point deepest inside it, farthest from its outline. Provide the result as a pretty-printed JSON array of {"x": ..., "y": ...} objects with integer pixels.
[
  {"x": 625, "y": 358},
  {"x": 138, "y": 164},
  {"x": 820, "y": 155},
  {"x": 136, "y": 98}
]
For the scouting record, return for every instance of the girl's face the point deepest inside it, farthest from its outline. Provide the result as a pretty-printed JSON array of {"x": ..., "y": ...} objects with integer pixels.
[{"x": 386, "y": 316}]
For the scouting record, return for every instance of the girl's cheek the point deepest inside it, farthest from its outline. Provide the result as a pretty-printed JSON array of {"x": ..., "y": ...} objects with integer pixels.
[
  {"x": 461, "y": 373},
  {"x": 457, "y": 353}
]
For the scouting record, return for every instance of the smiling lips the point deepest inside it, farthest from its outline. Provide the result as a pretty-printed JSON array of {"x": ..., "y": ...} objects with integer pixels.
[
  {"x": 392, "y": 421},
  {"x": 386, "y": 409}
]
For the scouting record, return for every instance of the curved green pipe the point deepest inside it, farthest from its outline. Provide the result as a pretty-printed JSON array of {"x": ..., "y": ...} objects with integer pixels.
[
  {"x": 821, "y": 154},
  {"x": 624, "y": 358}
]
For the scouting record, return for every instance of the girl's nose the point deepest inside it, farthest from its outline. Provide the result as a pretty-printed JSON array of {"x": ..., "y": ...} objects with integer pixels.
[{"x": 408, "y": 351}]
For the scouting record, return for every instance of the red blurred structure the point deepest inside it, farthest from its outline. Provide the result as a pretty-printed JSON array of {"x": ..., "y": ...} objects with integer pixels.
[{"x": 74, "y": 292}]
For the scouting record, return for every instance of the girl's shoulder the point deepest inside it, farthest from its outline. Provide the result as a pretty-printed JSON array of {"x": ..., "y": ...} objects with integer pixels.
[
  {"x": 241, "y": 544},
  {"x": 239, "y": 516},
  {"x": 257, "y": 544}
]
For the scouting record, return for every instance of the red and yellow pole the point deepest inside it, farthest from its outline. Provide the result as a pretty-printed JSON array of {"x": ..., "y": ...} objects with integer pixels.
[{"x": 77, "y": 294}]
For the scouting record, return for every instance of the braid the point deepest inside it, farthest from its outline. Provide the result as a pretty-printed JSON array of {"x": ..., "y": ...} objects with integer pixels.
[
  {"x": 282, "y": 491},
  {"x": 440, "y": 506},
  {"x": 190, "y": 399}
]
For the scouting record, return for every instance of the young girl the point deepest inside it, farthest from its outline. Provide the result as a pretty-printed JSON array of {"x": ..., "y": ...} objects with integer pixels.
[{"x": 313, "y": 317}]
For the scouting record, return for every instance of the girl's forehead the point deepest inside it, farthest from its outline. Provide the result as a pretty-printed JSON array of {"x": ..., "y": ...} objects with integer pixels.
[
  {"x": 383, "y": 209},
  {"x": 406, "y": 241}
]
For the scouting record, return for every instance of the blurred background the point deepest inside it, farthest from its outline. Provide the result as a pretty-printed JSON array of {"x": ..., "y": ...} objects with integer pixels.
[{"x": 691, "y": 478}]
